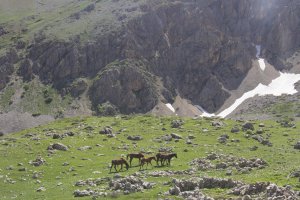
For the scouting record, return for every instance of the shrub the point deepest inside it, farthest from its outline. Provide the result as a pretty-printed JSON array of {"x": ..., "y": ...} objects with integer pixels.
[{"x": 107, "y": 109}]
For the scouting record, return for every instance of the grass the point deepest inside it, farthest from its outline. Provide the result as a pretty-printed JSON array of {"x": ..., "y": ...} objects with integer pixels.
[
  {"x": 94, "y": 163},
  {"x": 5, "y": 98},
  {"x": 35, "y": 98}
]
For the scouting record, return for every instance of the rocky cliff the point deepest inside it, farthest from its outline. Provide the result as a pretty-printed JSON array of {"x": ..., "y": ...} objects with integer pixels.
[{"x": 201, "y": 50}]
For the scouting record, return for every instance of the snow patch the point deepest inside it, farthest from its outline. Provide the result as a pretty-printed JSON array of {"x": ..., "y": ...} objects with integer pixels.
[
  {"x": 284, "y": 84},
  {"x": 258, "y": 50},
  {"x": 204, "y": 112},
  {"x": 262, "y": 64},
  {"x": 170, "y": 107}
]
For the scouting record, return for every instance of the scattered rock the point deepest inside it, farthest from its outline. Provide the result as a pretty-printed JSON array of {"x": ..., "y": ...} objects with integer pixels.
[
  {"x": 41, "y": 189},
  {"x": 295, "y": 173},
  {"x": 248, "y": 126},
  {"x": 135, "y": 137},
  {"x": 130, "y": 184},
  {"x": 38, "y": 161},
  {"x": 217, "y": 124},
  {"x": 223, "y": 139},
  {"x": 107, "y": 130},
  {"x": 297, "y": 145},
  {"x": 58, "y": 146},
  {"x": 176, "y": 123},
  {"x": 235, "y": 129},
  {"x": 176, "y": 136},
  {"x": 167, "y": 138},
  {"x": 84, "y": 148},
  {"x": 261, "y": 125}
]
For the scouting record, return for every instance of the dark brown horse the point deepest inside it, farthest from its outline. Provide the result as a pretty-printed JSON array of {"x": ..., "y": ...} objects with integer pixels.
[
  {"x": 146, "y": 160},
  {"x": 135, "y": 155},
  {"x": 119, "y": 162},
  {"x": 165, "y": 158}
]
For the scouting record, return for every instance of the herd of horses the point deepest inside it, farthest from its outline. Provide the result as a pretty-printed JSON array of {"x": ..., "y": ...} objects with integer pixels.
[{"x": 160, "y": 157}]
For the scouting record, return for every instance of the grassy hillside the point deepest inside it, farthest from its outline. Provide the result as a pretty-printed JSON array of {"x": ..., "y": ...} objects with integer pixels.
[{"x": 20, "y": 180}]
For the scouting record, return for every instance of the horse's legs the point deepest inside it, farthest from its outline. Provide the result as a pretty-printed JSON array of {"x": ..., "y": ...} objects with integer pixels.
[
  {"x": 121, "y": 166},
  {"x": 115, "y": 167},
  {"x": 130, "y": 160},
  {"x": 111, "y": 167}
]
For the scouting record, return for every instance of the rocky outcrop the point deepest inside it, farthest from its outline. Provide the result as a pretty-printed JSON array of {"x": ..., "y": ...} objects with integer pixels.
[
  {"x": 7, "y": 66},
  {"x": 126, "y": 85}
]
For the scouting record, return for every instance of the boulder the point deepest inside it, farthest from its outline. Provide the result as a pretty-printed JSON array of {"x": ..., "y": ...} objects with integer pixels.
[
  {"x": 297, "y": 145},
  {"x": 176, "y": 136},
  {"x": 235, "y": 129},
  {"x": 248, "y": 126},
  {"x": 176, "y": 123},
  {"x": 107, "y": 130},
  {"x": 135, "y": 137},
  {"x": 58, "y": 146}
]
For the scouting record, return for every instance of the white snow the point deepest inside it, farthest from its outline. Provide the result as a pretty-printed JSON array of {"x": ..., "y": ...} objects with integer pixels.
[
  {"x": 261, "y": 61},
  {"x": 204, "y": 112},
  {"x": 170, "y": 107},
  {"x": 284, "y": 84},
  {"x": 262, "y": 64},
  {"x": 258, "y": 49}
]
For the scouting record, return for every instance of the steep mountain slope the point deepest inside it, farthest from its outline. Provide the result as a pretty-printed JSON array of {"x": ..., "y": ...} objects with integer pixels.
[{"x": 139, "y": 54}]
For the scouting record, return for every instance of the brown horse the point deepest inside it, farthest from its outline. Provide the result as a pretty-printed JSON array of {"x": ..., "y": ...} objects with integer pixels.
[
  {"x": 165, "y": 158},
  {"x": 146, "y": 160},
  {"x": 119, "y": 162},
  {"x": 135, "y": 155}
]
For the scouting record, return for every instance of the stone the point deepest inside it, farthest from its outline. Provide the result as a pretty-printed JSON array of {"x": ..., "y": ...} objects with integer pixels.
[
  {"x": 58, "y": 146},
  {"x": 217, "y": 123},
  {"x": 176, "y": 136},
  {"x": 38, "y": 161},
  {"x": 235, "y": 129},
  {"x": 297, "y": 145},
  {"x": 107, "y": 130},
  {"x": 176, "y": 123},
  {"x": 84, "y": 148},
  {"x": 41, "y": 189},
  {"x": 135, "y": 137},
  {"x": 248, "y": 126}
]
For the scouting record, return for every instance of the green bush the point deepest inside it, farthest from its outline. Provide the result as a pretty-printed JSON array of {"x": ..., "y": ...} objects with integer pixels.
[{"x": 107, "y": 109}]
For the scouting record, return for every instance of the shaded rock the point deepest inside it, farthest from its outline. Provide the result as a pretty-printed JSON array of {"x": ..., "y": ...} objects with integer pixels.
[
  {"x": 58, "y": 146},
  {"x": 235, "y": 129},
  {"x": 297, "y": 145},
  {"x": 38, "y": 161},
  {"x": 84, "y": 148},
  {"x": 135, "y": 137},
  {"x": 41, "y": 189},
  {"x": 107, "y": 130},
  {"x": 217, "y": 124},
  {"x": 248, "y": 126},
  {"x": 176, "y": 123},
  {"x": 135, "y": 92},
  {"x": 176, "y": 136},
  {"x": 167, "y": 138}
]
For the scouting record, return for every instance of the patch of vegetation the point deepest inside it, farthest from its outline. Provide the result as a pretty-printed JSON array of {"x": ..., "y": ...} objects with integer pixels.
[
  {"x": 64, "y": 168},
  {"x": 42, "y": 99},
  {"x": 6, "y": 98},
  {"x": 107, "y": 109}
]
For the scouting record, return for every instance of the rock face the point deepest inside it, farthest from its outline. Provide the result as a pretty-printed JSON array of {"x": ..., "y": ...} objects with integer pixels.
[
  {"x": 126, "y": 85},
  {"x": 199, "y": 49},
  {"x": 7, "y": 67}
]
